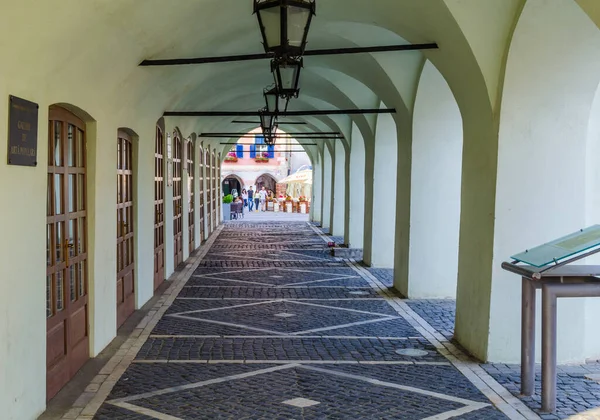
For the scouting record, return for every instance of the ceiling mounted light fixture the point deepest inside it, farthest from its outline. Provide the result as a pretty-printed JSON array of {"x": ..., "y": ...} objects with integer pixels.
[
  {"x": 284, "y": 25},
  {"x": 272, "y": 100},
  {"x": 286, "y": 73}
]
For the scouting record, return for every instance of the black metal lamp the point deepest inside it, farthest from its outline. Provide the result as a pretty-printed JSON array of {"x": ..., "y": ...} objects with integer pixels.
[
  {"x": 271, "y": 135},
  {"x": 286, "y": 73},
  {"x": 284, "y": 25},
  {"x": 266, "y": 121},
  {"x": 272, "y": 100}
]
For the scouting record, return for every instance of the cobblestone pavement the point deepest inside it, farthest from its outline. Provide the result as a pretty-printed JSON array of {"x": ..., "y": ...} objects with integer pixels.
[
  {"x": 271, "y": 327},
  {"x": 576, "y": 393}
]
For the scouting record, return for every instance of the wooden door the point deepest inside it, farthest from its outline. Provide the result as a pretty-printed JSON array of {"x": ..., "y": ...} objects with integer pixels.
[
  {"x": 159, "y": 209},
  {"x": 177, "y": 201},
  {"x": 209, "y": 199},
  {"x": 191, "y": 210},
  {"x": 213, "y": 168},
  {"x": 67, "y": 340},
  {"x": 219, "y": 188},
  {"x": 125, "y": 248},
  {"x": 201, "y": 192}
]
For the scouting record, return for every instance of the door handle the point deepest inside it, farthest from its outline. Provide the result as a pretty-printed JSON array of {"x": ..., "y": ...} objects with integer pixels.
[{"x": 67, "y": 246}]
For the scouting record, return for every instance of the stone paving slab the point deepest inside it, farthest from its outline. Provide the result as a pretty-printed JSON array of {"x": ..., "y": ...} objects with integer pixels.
[
  {"x": 321, "y": 292},
  {"x": 315, "y": 340},
  {"x": 439, "y": 313},
  {"x": 264, "y": 396},
  {"x": 276, "y": 349},
  {"x": 575, "y": 393}
]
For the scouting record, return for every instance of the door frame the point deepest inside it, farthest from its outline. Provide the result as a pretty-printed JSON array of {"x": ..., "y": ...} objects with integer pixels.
[
  {"x": 160, "y": 163},
  {"x": 126, "y": 230},
  {"x": 73, "y": 257}
]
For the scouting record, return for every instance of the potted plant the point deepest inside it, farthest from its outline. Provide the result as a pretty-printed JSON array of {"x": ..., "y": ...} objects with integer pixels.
[
  {"x": 262, "y": 157},
  {"x": 231, "y": 157},
  {"x": 275, "y": 205},
  {"x": 227, "y": 200},
  {"x": 288, "y": 204}
]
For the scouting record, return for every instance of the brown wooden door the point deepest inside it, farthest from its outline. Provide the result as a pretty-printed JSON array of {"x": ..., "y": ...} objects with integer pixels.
[
  {"x": 159, "y": 209},
  {"x": 191, "y": 210},
  {"x": 220, "y": 186},
  {"x": 177, "y": 201},
  {"x": 67, "y": 340},
  {"x": 213, "y": 168},
  {"x": 209, "y": 198},
  {"x": 201, "y": 192},
  {"x": 125, "y": 248}
]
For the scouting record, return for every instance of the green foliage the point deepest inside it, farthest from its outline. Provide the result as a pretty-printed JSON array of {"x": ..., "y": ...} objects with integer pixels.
[{"x": 228, "y": 199}]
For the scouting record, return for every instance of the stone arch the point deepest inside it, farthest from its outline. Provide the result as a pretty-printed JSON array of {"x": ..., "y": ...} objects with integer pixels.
[
  {"x": 547, "y": 100},
  {"x": 435, "y": 190},
  {"x": 357, "y": 189},
  {"x": 267, "y": 180},
  {"x": 380, "y": 240},
  {"x": 228, "y": 187}
]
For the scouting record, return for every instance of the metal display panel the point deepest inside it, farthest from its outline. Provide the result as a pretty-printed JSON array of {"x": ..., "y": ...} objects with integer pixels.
[{"x": 548, "y": 268}]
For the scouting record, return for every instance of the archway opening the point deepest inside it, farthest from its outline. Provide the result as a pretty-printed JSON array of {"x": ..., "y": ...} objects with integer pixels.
[{"x": 232, "y": 185}]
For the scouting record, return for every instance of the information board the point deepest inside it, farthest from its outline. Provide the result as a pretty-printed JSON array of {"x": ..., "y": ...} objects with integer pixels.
[{"x": 561, "y": 248}]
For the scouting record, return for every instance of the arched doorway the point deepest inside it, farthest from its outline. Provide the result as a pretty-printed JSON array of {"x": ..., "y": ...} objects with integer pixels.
[
  {"x": 268, "y": 181},
  {"x": 159, "y": 206},
  {"x": 232, "y": 184},
  {"x": 67, "y": 340},
  {"x": 177, "y": 199},
  {"x": 125, "y": 233}
]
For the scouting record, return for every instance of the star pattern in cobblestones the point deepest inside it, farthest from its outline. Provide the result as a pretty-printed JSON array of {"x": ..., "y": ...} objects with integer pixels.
[{"x": 271, "y": 327}]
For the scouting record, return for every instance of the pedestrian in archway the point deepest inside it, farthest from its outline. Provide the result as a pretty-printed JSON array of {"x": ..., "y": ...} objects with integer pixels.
[
  {"x": 250, "y": 199},
  {"x": 263, "y": 199},
  {"x": 245, "y": 197},
  {"x": 257, "y": 199}
]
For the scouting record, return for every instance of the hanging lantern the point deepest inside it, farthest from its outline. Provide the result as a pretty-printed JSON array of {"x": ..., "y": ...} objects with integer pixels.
[
  {"x": 284, "y": 25},
  {"x": 272, "y": 100},
  {"x": 286, "y": 73}
]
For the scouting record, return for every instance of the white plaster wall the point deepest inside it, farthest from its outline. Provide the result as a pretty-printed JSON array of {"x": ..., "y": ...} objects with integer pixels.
[
  {"x": 23, "y": 301},
  {"x": 327, "y": 188},
  {"x": 317, "y": 192},
  {"x": 102, "y": 191},
  {"x": 592, "y": 194},
  {"x": 339, "y": 191},
  {"x": 357, "y": 189},
  {"x": 249, "y": 175},
  {"x": 384, "y": 192},
  {"x": 541, "y": 188},
  {"x": 435, "y": 191},
  {"x": 297, "y": 160}
]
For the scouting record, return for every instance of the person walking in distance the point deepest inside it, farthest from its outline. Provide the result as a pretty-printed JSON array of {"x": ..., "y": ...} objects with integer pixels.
[
  {"x": 257, "y": 199},
  {"x": 245, "y": 197},
  {"x": 250, "y": 199},
  {"x": 263, "y": 199}
]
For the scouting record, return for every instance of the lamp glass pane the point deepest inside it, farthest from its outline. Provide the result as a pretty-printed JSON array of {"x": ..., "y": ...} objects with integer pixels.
[
  {"x": 297, "y": 21},
  {"x": 288, "y": 76},
  {"x": 264, "y": 121},
  {"x": 271, "y": 19},
  {"x": 272, "y": 102}
]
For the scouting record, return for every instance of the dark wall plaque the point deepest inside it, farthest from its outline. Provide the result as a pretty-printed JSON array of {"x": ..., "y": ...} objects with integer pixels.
[{"x": 22, "y": 132}]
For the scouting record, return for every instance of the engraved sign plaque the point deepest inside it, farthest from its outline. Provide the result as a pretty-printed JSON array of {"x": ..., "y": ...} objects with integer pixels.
[{"x": 22, "y": 132}]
